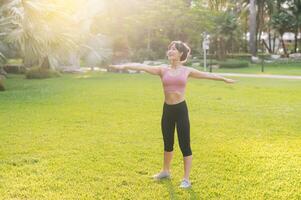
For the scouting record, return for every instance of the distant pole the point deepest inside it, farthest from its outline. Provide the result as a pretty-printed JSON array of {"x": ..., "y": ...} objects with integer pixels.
[
  {"x": 205, "y": 61},
  {"x": 210, "y": 61},
  {"x": 262, "y": 58},
  {"x": 205, "y": 48}
]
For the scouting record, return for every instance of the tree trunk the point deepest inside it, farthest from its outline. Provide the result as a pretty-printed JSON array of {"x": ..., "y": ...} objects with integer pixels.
[
  {"x": 252, "y": 28},
  {"x": 299, "y": 42},
  {"x": 28, "y": 59},
  {"x": 298, "y": 4},
  {"x": 148, "y": 39},
  {"x": 246, "y": 33},
  {"x": 221, "y": 50},
  {"x": 2, "y": 88},
  {"x": 274, "y": 41},
  {"x": 266, "y": 46},
  {"x": 45, "y": 64},
  {"x": 259, "y": 22},
  {"x": 259, "y": 39},
  {"x": 283, "y": 46},
  {"x": 270, "y": 42},
  {"x": 296, "y": 41}
]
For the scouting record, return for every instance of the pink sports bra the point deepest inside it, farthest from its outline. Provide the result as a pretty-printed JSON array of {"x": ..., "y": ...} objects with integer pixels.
[{"x": 174, "y": 83}]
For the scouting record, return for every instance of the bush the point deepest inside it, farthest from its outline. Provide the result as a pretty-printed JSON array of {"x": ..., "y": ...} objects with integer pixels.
[
  {"x": 233, "y": 64},
  {"x": 285, "y": 61},
  {"x": 190, "y": 62},
  {"x": 240, "y": 56},
  {"x": 143, "y": 54},
  {"x": 38, "y": 73},
  {"x": 14, "y": 68}
]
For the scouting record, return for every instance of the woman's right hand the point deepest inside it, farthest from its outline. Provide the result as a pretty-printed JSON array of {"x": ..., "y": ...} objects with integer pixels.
[
  {"x": 118, "y": 67},
  {"x": 228, "y": 80}
]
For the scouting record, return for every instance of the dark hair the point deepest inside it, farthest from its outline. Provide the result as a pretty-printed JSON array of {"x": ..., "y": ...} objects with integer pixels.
[{"x": 182, "y": 48}]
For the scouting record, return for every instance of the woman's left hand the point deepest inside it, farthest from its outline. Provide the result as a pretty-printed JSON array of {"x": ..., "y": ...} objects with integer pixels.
[{"x": 228, "y": 80}]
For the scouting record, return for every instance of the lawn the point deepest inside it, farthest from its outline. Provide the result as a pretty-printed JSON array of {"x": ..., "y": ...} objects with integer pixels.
[
  {"x": 280, "y": 69},
  {"x": 98, "y": 136}
]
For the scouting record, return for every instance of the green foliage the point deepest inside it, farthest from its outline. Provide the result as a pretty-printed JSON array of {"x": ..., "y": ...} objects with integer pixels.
[
  {"x": 58, "y": 28},
  {"x": 34, "y": 27},
  {"x": 191, "y": 62},
  {"x": 226, "y": 23},
  {"x": 50, "y": 28},
  {"x": 283, "y": 21},
  {"x": 144, "y": 54},
  {"x": 229, "y": 63},
  {"x": 153, "y": 23},
  {"x": 233, "y": 64},
  {"x": 14, "y": 68},
  {"x": 242, "y": 56},
  {"x": 286, "y": 61},
  {"x": 14, "y": 61},
  {"x": 41, "y": 73}
]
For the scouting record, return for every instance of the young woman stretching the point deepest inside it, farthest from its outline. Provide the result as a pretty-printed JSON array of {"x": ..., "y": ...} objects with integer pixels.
[{"x": 175, "y": 112}]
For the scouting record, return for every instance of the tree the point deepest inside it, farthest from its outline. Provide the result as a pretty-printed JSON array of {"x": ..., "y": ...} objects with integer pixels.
[
  {"x": 48, "y": 29},
  {"x": 283, "y": 21},
  {"x": 40, "y": 29},
  {"x": 224, "y": 32},
  {"x": 295, "y": 9},
  {"x": 149, "y": 26}
]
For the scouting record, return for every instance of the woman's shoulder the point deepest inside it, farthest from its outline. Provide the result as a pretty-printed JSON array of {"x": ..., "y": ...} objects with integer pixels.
[{"x": 164, "y": 67}]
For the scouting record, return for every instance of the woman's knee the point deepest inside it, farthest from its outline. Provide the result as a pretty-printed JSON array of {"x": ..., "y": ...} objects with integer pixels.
[
  {"x": 168, "y": 146},
  {"x": 186, "y": 151}
]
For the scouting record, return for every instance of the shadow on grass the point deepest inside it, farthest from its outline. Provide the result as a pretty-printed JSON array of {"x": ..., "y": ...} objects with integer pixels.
[
  {"x": 193, "y": 194},
  {"x": 172, "y": 192}
]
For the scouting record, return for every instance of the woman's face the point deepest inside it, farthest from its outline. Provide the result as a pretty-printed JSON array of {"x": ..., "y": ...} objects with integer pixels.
[{"x": 173, "y": 53}]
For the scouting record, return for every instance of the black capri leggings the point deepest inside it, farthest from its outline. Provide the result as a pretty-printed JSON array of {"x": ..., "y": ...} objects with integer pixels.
[{"x": 176, "y": 114}]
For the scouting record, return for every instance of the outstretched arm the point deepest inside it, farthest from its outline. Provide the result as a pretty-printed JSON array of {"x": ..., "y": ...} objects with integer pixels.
[
  {"x": 154, "y": 70},
  {"x": 194, "y": 73}
]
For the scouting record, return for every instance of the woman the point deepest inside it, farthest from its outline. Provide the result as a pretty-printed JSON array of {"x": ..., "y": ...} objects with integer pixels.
[{"x": 175, "y": 111}]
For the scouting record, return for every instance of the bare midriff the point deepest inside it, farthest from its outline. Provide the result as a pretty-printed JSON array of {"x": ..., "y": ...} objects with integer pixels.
[{"x": 174, "y": 97}]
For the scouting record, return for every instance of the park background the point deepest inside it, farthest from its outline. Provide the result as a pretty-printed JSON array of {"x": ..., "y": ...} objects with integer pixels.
[{"x": 70, "y": 128}]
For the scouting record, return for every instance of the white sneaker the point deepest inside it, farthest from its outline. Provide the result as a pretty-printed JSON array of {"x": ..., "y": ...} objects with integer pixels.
[
  {"x": 185, "y": 184},
  {"x": 161, "y": 175}
]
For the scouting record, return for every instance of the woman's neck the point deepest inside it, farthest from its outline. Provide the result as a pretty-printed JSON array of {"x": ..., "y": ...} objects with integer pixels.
[{"x": 175, "y": 64}]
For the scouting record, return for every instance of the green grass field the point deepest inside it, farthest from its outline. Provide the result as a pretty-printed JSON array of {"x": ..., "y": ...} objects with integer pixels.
[
  {"x": 98, "y": 136},
  {"x": 293, "y": 69}
]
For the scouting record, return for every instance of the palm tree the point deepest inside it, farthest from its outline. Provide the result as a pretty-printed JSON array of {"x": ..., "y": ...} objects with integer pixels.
[
  {"x": 283, "y": 21},
  {"x": 27, "y": 23},
  {"x": 295, "y": 7},
  {"x": 217, "y": 5},
  {"x": 43, "y": 30}
]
